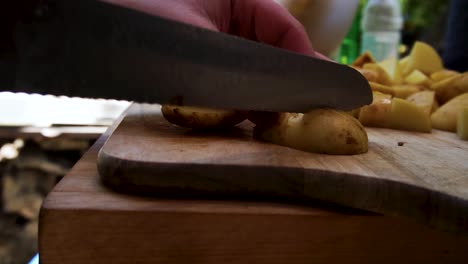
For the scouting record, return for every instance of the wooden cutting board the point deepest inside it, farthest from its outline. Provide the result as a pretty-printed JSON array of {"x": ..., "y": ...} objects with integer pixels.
[{"x": 416, "y": 175}]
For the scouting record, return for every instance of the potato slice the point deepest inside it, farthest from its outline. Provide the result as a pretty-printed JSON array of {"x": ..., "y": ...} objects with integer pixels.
[
  {"x": 445, "y": 118},
  {"x": 462, "y": 123},
  {"x": 418, "y": 78},
  {"x": 392, "y": 68},
  {"x": 370, "y": 75},
  {"x": 424, "y": 99},
  {"x": 408, "y": 116},
  {"x": 423, "y": 58},
  {"x": 405, "y": 90},
  {"x": 451, "y": 87},
  {"x": 364, "y": 58},
  {"x": 383, "y": 77},
  {"x": 442, "y": 75},
  {"x": 377, "y": 114},
  {"x": 381, "y": 88},
  {"x": 403, "y": 65},
  {"x": 201, "y": 118},
  {"x": 322, "y": 131}
]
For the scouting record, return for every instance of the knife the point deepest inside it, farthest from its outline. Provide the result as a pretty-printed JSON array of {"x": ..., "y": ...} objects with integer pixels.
[{"x": 92, "y": 49}]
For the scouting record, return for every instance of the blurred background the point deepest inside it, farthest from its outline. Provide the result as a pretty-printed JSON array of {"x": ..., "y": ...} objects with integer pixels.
[{"x": 41, "y": 137}]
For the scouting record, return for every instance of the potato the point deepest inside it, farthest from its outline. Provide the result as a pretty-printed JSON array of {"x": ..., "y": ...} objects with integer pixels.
[
  {"x": 322, "y": 131},
  {"x": 443, "y": 74},
  {"x": 392, "y": 68},
  {"x": 377, "y": 114},
  {"x": 381, "y": 88},
  {"x": 403, "y": 65},
  {"x": 201, "y": 118},
  {"x": 424, "y": 99},
  {"x": 405, "y": 90},
  {"x": 354, "y": 113},
  {"x": 383, "y": 77},
  {"x": 418, "y": 78},
  {"x": 364, "y": 58},
  {"x": 462, "y": 123},
  {"x": 423, "y": 58},
  {"x": 370, "y": 75},
  {"x": 451, "y": 87},
  {"x": 408, "y": 116},
  {"x": 445, "y": 118}
]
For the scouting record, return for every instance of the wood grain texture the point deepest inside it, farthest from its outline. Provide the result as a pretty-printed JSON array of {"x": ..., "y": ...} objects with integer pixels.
[
  {"x": 416, "y": 175},
  {"x": 83, "y": 222}
]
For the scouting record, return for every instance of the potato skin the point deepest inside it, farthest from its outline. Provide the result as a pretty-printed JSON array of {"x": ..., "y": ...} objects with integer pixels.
[
  {"x": 324, "y": 131},
  {"x": 201, "y": 118}
]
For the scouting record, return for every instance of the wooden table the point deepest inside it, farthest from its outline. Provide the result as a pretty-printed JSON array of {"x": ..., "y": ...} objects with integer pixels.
[{"x": 83, "y": 222}]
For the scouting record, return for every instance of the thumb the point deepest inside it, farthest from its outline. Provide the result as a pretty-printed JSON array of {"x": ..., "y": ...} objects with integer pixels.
[{"x": 268, "y": 22}]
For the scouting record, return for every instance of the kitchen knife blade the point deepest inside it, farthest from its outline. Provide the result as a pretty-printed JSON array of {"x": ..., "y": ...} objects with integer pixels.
[{"x": 88, "y": 48}]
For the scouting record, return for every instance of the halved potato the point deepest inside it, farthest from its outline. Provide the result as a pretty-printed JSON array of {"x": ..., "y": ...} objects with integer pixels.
[
  {"x": 201, "y": 118},
  {"x": 322, "y": 131}
]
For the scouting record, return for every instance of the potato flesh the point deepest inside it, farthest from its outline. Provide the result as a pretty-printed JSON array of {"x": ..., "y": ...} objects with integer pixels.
[
  {"x": 405, "y": 115},
  {"x": 417, "y": 77},
  {"x": 451, "y": 87},
  {"x": 392, "y": 68},
  {"x": 424, "y": 99},
  {"x": 462, "y": 123},
  {"x": 424, "y": 58},
  {"x": 321, "y": 131},
  {"x": 445, "y": 118},
  {"x": 377, "y": 114},
  {"x": 201, "y": 118},
  {"x": 394, "y": 113}
]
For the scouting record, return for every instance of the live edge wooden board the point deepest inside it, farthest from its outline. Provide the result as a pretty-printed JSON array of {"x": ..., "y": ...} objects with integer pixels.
[{"x": 415, "y": 175}]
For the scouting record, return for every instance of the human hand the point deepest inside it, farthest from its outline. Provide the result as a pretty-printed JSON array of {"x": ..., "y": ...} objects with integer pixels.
[{"x": 259, "y": 20}]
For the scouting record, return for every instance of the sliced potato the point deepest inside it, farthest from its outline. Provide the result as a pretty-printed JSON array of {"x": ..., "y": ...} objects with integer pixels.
[
  {"x": 418, "y": 78},
  {"x": 462, "y": 123},
  {"x": 201, "y": 118},
  {"x": 445, "y": 118},
  {"x": 424, "y": 99},
  {"x": 377, "y": 114},
  {"x": 377, "y": 87},
  {"x": 370, "y": 75},
  {"x": 424, "y": 58},
  {"x": 322, "y": 131},
  {"x": 392, "y": 68},
  {"x": 364, "y": 58},
  {"x": 408, "y": 116},
  {"x": 443, "y": 74},
  {"x": 405, "y": 90},
  {"x": 383, "y": 77},
  {"x": 451, "y": 87},
  {"x": 403, "y": 65}
]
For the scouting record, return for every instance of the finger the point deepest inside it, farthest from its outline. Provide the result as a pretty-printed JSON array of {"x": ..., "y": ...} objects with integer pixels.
[{"x": 268, "y": 22}]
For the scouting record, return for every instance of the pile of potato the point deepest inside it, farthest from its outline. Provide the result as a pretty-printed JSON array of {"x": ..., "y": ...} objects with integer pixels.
[{"x": 415, "y": 93}]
